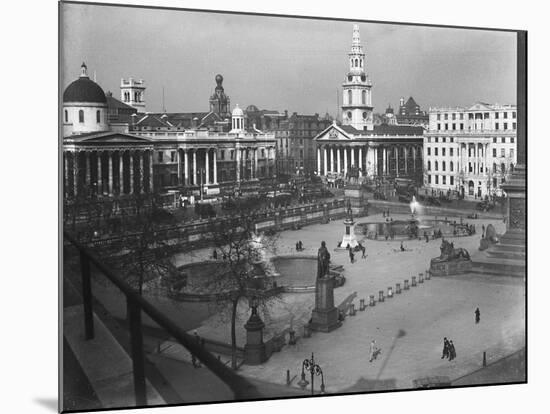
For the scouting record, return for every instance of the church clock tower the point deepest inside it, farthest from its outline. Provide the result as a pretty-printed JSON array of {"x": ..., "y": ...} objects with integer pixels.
[{"x": 356, "y": 99}]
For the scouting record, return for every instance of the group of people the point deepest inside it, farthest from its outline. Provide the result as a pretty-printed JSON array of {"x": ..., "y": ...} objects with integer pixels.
[
  {"x": 299, "y": 246},
  {"x": 360, "y": 248},
  {"x": 386, "y": 213},
  {"x": 449, "y": 350}
]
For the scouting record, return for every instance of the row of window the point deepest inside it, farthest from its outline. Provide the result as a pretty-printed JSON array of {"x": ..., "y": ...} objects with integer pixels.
[
  {"x": 363, "y": 97},
  {"x": 137, "y": 96},
  {"x": 477, "y": 115},
  {"x": 443, "y": 179},
  {"x": 443, "y": 165},
  {"x": 503, "y": 140},
  {"x": 471, "y": 152},
  {"x": 81, "y": 116},
  {"x": 461, "y": 126}
]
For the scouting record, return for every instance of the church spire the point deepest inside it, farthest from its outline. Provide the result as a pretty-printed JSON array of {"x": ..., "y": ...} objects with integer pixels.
[{"x": 356, "y": 47}]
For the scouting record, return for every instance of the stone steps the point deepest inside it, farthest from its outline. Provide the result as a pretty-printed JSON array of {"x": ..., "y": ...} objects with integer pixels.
[
  {"x": 519, "y": 248},
  {"x": 506, "y": 254}
]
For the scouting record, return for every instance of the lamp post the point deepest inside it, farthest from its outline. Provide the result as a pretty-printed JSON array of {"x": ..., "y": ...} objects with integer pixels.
[{"x": 314, "y": 369}]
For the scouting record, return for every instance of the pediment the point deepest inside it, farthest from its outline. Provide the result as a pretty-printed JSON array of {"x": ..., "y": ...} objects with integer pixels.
[
  {"x": 333, "y": 133},
  {"x": 479, "y": 106},
  {"x": 108, "y": 138}
]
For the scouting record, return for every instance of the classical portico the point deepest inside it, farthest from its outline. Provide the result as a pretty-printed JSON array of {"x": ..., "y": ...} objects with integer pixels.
[
  {"x": 107, "y": 164},
  {"x": 343, "y": 151}
]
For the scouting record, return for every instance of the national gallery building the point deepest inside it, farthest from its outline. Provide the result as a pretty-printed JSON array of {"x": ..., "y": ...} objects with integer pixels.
[{"x": 111, "y": 149}]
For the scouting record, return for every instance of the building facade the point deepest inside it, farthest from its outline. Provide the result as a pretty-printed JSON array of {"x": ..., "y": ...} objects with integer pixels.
[
  {"x": 471, "y": 150},
  {"x": 158, "y": 152},
  {"x": 361, "y": 147}
]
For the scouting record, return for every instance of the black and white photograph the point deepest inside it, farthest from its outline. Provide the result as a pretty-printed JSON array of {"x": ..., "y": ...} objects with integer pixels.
[{"x": 258, "y": 206}]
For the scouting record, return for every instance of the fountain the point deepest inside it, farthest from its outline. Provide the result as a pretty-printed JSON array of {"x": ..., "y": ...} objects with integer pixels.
[{"x": 349, "y": 238}]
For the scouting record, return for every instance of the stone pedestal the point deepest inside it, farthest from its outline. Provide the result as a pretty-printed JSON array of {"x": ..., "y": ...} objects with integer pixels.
[
  {"x": 371, "y": 300},
  {"x": 324, "y": 317},
  {"x": 254, "y": 349},
  {"x": 449, "y": 268},
  {"x": 349, "y": 237},
  {"x": 406, "y": 284},
  {"x": 398, "y": 288}
]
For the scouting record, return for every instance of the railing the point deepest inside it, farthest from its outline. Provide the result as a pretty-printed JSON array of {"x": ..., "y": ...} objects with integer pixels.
[{"x": 242, "y": 388}]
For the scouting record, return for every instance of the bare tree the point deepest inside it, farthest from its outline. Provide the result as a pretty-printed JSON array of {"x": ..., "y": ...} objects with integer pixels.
[{"x": 245, "y": 275}]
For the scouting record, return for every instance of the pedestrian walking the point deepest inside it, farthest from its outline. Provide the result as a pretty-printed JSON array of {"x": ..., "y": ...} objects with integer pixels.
[
  {"x": 373, "y": 350},
  {"x": 445, "y": 353},
  {"x": 215, "y": 255},
  {"x": 478, "y": 314},
  {"x": 452, "y": 351},
  {"x": 351, "y": 255},
  {"x": 483, "y": 231}
]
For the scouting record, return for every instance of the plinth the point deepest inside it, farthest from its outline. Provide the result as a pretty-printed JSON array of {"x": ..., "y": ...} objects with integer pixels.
[
  {"x": 349, "y": 238},
  {"x": 254, "y": 350},
  {"x": 324, "y": 317}
]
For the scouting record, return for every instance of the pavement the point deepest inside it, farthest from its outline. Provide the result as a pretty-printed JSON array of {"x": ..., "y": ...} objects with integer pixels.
[{"x": 409, "y": 328}]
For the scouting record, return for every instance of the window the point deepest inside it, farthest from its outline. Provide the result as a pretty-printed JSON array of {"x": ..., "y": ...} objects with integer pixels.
[
  {"x": 98, "y": 116},
  {"x": 437, "y": 179},
  {"x": 172, "y": 156},
  {"x": 446, "y": 126},
  {"x": 446, "y": 116},
  {"x": 439, "y": 117},
  {"x": 436, "y": 139},
  {"x": 443, "y": 166},
  {"x": 451, "y": 180},
  {"x": 81, "y": 116},
  {"x": 454, "y": 117},
  {"x": 512, "y": 140},
  {"x": 494, "y": 167},
  {"x": 222, "y": 154},
  {"x": 505, "y": 115},
  {"x": 451, "y": 166},
  {"x": 470, "y": 116},
  {"x": 436, "y": 165},
  {"x": 513, "y": 115},
  {"x": 503, "y": 140},
  {"x": 461, "y": 117},
  {"x": 435, "y": 149},
  {"x": 470, "y": 167},
  {"x": 232, "y": 154},
  {"x": 451, "y": 151},
  {"x": 364, "y": 100},
  {"x": 494, "y": 140},
  {"x": 486, "y": 115},
  {"x": 513, "y": 125},
  {"x": 496, "y": 125},
  {"x": 66, "y": 116},
  {"x": 506, "y": 125},
  {"x": 461, "y": 126},
  {"x": 454, "y": 127},
  {"x": 494, "y": 152},
  {"x": 429, "y": 179},
  {"x": 502, "y": 152},
  {"x": 429, "y": 165},
  {"x": 444, "y": 179},
  {"x": 429, "y": 140},
  {"x": 349, "y": 101},
  {"x": 443, "y": 151},
  {"x": 263, "y": 153},
  {"x": 451, "y": 139},
  {"x": 496, "y": 115},
  {"x": 429, "y": 151},
  {"x": 439, "y": 127},
  {"x": 160, "y": 156}
]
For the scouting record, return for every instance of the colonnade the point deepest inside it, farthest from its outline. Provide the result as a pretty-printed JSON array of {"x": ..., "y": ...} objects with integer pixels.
[
  {"x": 475, "y": 154},
  {"x": 375, "y": 159},
  {"x": 107, "y": 172}
]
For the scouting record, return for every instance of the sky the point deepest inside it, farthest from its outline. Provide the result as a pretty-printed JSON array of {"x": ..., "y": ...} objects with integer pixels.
[{"x": 281, "y": 63}]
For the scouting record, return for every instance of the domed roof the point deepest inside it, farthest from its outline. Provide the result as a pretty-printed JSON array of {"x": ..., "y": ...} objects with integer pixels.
[
  {"x": 237, "y": 111},
  {"x": 252, "y": 108},
  {"x": 84, "y": 90}
]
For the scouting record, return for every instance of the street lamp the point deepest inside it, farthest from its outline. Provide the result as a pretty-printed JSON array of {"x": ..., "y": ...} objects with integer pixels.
[{"x": 314, "y": 369}]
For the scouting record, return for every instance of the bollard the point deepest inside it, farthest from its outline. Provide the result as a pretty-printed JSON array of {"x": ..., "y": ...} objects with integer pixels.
[
  {"x": 362, "y": 305},
  {"x": 428, "y": 274},
  {"x": 398, "y": 288},
  {"x": 287, "y": 377},
  {"x": 351, "y": 309},
  {"x": 421, "y": 278},
  {"x": 307, "y": 331},
  {"x": 406, "y": 284},
  {"x": 291, "y": 338},
  {"x": 413, "y": 281},
  {"x": 371, "y": 303},
  {"x": 390, "y": 292},
  {"x": 484, "y": 359},
  {"x": 380, "y": 296}
]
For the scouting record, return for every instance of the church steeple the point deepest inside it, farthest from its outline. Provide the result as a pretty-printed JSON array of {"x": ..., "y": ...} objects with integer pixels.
[{"x": 357, "y": 102}]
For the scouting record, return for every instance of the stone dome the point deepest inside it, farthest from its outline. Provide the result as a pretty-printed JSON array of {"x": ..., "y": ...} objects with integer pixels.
[
  {"x": 84, "y": 90},
  {"x": 237, "y": 111},
  {"x": 252, "y": 108}
]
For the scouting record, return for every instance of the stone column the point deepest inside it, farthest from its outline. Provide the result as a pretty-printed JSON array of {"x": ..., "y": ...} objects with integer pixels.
[
  {"x": 215, "y": 161},
  {"x": 141, "y": 175},
  {"x": 325, "y": 161},
  {"x": 384, "y": 161},
  {"x": 396, "y": 151},
  {"x": 360, "y": 161},
  {"x": 318, "y": 161},
  {"x": 120, "y": 172},
  {"x": 338, "y": 161},
  {"x": 207, "y": 166},
  {"x": 151, "y": 170},
  {"x": 414, "y": 158},
  {"x": 332, "y": 159},
  {"x": 75, "y": 172},
  {"x": 256, "y": 162},
  {"x": 65, "y": 174},
  {"x": 99, "y": 173},
  {"x": 178, "y": 160},
  {"x": 406, "y": 159},
  {"x": 88, "y": 168},
  {"x": 110, "y": 172},
  {"x": 194, "y": 166},
  {"x": 131, "y": 172},
  {"x": 345, "y": 160},
  {"x": 186, "y": 167}
]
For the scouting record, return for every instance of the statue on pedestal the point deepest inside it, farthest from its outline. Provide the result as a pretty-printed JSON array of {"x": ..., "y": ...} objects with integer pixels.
[{"x": 323, "y": 261}]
